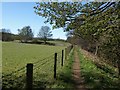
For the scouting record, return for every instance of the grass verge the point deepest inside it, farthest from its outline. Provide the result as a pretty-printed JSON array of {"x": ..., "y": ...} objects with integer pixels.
[
  {"x": 96, "y": 78},
  {"x": 64, "y": 78}
]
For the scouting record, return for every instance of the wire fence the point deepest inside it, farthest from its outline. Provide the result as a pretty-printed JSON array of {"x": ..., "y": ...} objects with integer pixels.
[
  {"x": 43, "y": 72},
  {"x": 14, "y": 79}
]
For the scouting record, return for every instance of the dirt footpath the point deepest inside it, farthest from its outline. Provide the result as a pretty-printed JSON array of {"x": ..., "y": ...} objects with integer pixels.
[{"x": 78, "y": 80}]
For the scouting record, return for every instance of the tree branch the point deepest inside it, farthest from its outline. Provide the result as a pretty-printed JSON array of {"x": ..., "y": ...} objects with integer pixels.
[{"x": 102, "y": 8}]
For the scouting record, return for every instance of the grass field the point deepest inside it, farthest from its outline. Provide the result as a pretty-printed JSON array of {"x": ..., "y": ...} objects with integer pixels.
[{"x": 16, "y": 55}]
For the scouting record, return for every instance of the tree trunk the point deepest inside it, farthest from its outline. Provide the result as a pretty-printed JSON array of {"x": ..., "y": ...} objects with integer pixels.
[
  {"x": 44, "y": 41},
  {"x": 96, "y": 50}
]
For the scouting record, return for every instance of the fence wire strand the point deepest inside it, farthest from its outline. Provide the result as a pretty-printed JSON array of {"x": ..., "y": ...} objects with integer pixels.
[
  {"x": 14, "y": 72},
  {"x": 43, "y": 71}
]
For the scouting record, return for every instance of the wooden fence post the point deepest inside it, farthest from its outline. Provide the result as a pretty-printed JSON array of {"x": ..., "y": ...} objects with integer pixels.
[
  {"x": 62, "y": 57},
  {"x": 55, "y": 65},
  {"x": 29, "y": 76}
]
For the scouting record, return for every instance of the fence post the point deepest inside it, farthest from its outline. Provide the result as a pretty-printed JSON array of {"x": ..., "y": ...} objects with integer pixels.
[
  {"x": 55, "y": 65},
  {"x": 62, "y": 57},
  {"x": 29, "y": 76}
]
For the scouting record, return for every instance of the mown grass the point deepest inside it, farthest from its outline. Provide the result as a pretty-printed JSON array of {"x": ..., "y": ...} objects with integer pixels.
[
  {"x": 17, "y": 55},
  {"x": 95, "y": 77}
]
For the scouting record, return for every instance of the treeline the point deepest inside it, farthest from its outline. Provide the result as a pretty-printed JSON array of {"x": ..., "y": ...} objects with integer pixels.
[
  {"x": 93, "y": 25},
  {"x": 25, "y": 35},
  {"x": 6, "y": 35}
]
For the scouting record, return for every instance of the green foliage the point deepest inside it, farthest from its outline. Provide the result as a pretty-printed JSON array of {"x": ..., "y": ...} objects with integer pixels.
[
  {"x": 25, "y": 34},
  {"x": 95, "y": 22},
  {"x": 59, "y": 14},
  {"x": 101, "y": 32},
  {"x": 65, "y": 14},
  {"x": 6, "y": 35},
  {"x": 45, "y": 33}
]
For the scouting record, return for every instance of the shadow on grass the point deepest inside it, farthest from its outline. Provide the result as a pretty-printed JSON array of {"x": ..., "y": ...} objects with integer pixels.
[
  {"x": 45, "y": 80},
  {"x": 40, "y": 43},
  {"x": 13, "y": 82},
  {"x": 107, "y": 70},
  {"x": 100, "y": 81},
  {"x": 62, "y": 82},
  {"x": 41, "y": 81},
  {"x": 65, "y": 78},
  {"x": 98, "y": 76}
]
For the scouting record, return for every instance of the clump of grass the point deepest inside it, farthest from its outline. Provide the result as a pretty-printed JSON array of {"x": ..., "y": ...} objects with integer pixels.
[{"x": 95, "y": 77}]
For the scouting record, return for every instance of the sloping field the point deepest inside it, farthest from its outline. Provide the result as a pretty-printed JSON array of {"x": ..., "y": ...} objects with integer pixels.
[{"x": 17, "y": 55}]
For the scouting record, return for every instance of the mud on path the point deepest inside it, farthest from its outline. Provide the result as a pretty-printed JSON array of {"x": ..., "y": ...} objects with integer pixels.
[{"x": 78, "y": 80}]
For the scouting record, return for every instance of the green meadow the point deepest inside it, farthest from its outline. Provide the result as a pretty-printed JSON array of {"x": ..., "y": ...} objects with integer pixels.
[{"x": 17, "y": 55}]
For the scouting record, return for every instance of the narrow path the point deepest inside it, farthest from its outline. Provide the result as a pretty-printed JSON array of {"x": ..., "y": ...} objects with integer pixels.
[{"x": 78, "y": 80}]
